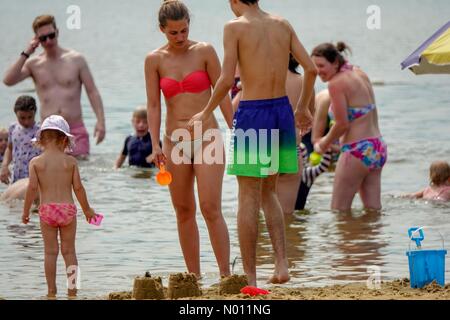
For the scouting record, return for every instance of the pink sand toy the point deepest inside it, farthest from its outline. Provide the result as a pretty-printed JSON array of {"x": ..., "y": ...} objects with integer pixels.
[{"x": 97, "y": 219}]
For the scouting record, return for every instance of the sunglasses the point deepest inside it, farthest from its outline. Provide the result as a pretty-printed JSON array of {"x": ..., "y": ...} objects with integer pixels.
[{"x": 44, "y": 37}]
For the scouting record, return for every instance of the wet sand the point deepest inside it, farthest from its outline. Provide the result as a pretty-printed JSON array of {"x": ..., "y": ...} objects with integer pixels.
[{"x": 393, "y": 290}]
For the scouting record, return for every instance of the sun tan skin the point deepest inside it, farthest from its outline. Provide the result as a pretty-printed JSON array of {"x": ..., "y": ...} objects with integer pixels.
[
  {"x": 352, "y": 88},
  {"x": 261, "y": 43},
  {"x": 58, "y": 75},
  {"x": 178, "y": 58},
  {"x": 54, "y": 175}
]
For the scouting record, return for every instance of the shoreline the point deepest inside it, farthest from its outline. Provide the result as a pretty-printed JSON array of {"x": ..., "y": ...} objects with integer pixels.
[{"x": 390, "y": 290}]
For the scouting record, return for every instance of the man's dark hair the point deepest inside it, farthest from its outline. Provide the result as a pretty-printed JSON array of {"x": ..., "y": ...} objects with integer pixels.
[
  {"x": 247, "y": 2},
  {"x": 25, "y": 103}
]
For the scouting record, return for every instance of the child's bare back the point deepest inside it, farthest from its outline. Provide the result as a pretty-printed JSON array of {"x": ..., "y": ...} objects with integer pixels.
[{"x": 55, "y": 171}]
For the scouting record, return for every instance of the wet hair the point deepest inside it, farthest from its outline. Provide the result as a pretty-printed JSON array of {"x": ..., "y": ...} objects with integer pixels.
[
  {"x": 293, "y": 64},
  {"x": 172, "y": 10},
  {"x": 25, "y": 103},
  {"x": 439, "y": 173},
  {"x": 49, "y": 135},
  {"x": 43, "y": 20},
  {"x": 332, "y": 52},
  {"x": 248, "y": 2},
  {"x": 140, "y": 112}
]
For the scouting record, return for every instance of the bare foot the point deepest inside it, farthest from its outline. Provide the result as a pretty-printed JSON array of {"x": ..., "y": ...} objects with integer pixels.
[
  {"x": 72, "y": 293},
  {"x": 51, "y": 296},
  {"x": 279, "y": 278}
]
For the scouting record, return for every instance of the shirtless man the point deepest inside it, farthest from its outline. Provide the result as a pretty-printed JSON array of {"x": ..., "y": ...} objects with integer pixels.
[
  {"x": 58, "y": 75},
  {"x": 261, "y": 42}
]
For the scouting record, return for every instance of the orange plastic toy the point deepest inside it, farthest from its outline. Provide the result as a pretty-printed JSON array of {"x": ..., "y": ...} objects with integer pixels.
[{"x": 163, "y": 177}]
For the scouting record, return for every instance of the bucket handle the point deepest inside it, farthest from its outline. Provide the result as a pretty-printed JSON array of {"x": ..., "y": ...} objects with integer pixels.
[{"x": 417, "y": 231}]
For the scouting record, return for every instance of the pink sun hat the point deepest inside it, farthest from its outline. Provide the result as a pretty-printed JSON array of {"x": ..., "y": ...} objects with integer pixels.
[{"x": 56, "y": 122}]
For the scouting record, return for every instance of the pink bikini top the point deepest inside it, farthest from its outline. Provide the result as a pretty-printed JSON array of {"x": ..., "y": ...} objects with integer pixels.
[{"x": 195, "y": 82}]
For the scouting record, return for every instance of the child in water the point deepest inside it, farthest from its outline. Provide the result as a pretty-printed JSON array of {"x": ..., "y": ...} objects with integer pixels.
[
  {"x": 54, "y": 174},
  {"x": 137, "y": 147},
  {"x": 439, "y": 188}
]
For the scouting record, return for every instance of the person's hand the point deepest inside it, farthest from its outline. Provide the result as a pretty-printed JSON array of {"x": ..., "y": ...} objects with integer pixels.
[
  {"x": 318, "y": 147},
  {"x": 26, "y": 217},
  {"x": 4, "y": 175},
  {"x": 89, "y": 214},
  {"x": 303, "y": 120},
  {"x": 99, "y": 132},
  {"x": 150, "y": 158},
  {"x": 157, "y": 156},
  {"x": 34, "y": 43},
  {"x": 197, "y": 120}
]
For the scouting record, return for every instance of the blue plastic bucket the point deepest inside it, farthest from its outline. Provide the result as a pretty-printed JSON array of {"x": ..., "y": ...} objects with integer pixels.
[{"x": 425, "y": 266}]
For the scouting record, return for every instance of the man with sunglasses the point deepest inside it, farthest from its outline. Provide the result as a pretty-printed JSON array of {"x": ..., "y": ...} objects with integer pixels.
[{"x": 58, "y": 75}]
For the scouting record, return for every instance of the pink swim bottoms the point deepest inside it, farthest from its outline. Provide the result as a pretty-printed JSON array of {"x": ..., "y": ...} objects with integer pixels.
[
  {"x": 81, "y": 139},
  {"x": 57, "y": 214}
]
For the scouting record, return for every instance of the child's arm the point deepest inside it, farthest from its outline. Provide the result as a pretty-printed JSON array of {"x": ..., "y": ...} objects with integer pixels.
[
  {"x": 123, "y": 155},
  {"x": 80, "y": 193},
  {"x": 119, "y": 161},
  {"x": 415, "y": 195},
  {"x": 32, "y": 190},
  {"x": 4, "y": 173}
]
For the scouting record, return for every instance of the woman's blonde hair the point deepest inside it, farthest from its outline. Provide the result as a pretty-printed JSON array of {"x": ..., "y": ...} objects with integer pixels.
[{"x": 439, "y": 173}]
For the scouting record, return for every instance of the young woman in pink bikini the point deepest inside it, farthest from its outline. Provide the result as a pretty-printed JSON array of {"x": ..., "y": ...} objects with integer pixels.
[
  {"x": 363, "y": 150},
  {"x": 54, "y": 174},
  {"x": 185, "y": 71}
]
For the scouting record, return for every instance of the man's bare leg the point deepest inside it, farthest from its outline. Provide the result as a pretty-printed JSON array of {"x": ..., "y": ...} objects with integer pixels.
[
  {"x": 247, "y": 220},
  {"x": 275, "y": 225}
]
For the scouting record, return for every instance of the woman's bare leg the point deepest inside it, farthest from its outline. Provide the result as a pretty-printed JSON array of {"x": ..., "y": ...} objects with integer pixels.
[
  {"x": 210, "y": 198},
  {"x": 350, "y": 173},
  {"x": 370, "y": 190},
  {"x": 183, "y": 200}
]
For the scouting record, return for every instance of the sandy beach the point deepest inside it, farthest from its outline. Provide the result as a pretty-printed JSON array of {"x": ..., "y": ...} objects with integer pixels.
[{"x": 393, "y": 290}]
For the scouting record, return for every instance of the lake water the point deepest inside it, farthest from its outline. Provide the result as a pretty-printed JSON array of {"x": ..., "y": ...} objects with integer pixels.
[{"x": 139, "y": 230}]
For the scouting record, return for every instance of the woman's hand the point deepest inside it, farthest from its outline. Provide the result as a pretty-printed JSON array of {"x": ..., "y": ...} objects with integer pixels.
[
  {"x": 157, "y": 157},
  {"x": 26, "y": 217},
  {"x": 318, "y": 147},
  {"x": 197, "y": 120}
]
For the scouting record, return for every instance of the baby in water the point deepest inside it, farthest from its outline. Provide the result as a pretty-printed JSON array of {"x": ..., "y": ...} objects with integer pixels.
[{"x": 439, "y": 188}]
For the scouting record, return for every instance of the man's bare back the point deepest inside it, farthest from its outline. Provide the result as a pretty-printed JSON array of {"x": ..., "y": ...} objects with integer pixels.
[{"x": 264, "y": 42}]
